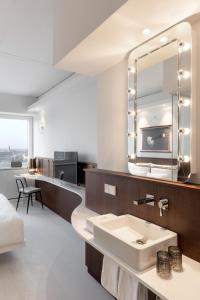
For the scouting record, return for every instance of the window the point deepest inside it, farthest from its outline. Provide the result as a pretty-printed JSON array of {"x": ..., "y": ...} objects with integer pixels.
[{"x": 15, "y": 141}]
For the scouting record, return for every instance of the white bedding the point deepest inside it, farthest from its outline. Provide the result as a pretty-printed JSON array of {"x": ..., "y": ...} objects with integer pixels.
[{"x": 11, "y": 227}]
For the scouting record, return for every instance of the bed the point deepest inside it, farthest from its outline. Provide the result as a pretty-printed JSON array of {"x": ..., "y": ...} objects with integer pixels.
[{"x": 11, "y": 227}]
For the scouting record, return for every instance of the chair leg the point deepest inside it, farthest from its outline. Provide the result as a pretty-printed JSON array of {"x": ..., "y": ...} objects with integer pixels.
[
  {"x": 18, "y": 200},
  {"x": 29, "y": 197},
  {"x": 41, "y": 199}
]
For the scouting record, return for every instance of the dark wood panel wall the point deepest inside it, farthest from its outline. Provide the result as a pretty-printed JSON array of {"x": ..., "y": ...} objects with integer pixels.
[
  {"x": 59, "y": 200},
  {"x": 183, "y": 216}
]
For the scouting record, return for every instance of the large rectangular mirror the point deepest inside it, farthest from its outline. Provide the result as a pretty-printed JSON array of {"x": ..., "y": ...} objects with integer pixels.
[{"x": 159, "y": 112}]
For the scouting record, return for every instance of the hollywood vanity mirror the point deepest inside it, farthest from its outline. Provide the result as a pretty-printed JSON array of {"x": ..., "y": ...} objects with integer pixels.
[{"x": 159, "y": 106}]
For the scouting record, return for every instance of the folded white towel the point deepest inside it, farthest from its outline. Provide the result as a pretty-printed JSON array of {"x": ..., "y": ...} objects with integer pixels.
[
  {"x": 129, "y": 288},
  {"x": 110, "y": 276}
]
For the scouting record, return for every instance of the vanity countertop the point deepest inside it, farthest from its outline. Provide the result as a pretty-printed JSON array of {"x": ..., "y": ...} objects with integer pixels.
[
  {"x": 181, "y": 286},
  {"x": 79, "y": 190}
]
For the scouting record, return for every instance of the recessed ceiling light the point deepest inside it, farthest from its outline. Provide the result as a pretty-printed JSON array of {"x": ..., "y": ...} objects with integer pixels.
[
  {"x": 146, "y": 31},
  {"x": 163, "y": 39}
]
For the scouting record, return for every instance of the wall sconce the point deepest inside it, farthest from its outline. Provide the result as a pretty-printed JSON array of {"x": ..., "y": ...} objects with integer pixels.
[
  {"x": 42, "y": 123},
  {"x": 42, "y": 127}
]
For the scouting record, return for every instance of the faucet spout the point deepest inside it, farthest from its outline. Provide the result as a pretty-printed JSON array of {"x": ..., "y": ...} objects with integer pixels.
[{"x": 148, "y": 200}]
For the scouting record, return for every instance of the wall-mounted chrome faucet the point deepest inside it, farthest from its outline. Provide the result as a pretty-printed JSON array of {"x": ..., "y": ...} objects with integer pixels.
[
  {"x": 163, "y": 205},
  {"x": 149, "y": 199}
]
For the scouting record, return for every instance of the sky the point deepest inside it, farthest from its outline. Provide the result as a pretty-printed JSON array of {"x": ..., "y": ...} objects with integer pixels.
[{"x": 13, "y": 133}]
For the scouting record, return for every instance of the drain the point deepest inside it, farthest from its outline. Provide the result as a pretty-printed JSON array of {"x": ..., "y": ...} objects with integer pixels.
[{"x": 140, "y": 242}]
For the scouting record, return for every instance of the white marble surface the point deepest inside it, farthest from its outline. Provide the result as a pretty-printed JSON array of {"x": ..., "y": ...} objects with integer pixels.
[{"x": 181, "y": 286}]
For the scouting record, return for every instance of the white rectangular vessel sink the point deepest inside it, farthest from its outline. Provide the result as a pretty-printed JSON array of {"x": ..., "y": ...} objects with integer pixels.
[{"x": 133, "y": 240}]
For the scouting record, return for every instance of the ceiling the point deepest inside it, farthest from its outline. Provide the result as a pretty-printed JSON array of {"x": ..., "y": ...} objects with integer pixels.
[
  {"x": 26, "y": 40},
  {"x": 26, "y": 47},
  {"x": 121, "y": 32}
]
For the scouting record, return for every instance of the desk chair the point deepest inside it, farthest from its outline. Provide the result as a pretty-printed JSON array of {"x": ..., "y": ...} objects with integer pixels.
[{"x": 27, "y": 191}]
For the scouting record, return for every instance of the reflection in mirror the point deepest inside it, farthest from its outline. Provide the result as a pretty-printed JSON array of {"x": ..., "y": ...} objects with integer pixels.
[{"x": 159, "y": 110}]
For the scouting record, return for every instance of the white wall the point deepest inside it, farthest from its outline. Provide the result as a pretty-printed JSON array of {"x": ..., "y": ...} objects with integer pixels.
[
  {"x": 75, "y": 20},
  {"x": 69, "y": 116},
  {"x": 14, "y": 103},
  {"x": 112, "y": 118}
]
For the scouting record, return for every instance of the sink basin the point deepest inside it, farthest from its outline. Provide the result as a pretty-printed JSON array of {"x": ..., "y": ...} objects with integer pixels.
[{"x": 133, "y": 240}]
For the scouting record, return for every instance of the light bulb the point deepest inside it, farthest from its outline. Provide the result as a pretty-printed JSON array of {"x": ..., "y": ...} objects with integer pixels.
[
  {"x": 132, "y": 134},
  {"x": 184, "y": 158},
  {"x": 146, "y": 31},
  {"x": 131, "y": 70},
  {"x": 182, "y": 74},
  {"x": 131, "y": 113},
  {"x": 131, "y": 91},
  {"x": 184, "y": 101},
  {"x": 132, "y": 156},
  {"x": 184, "y": 131},
  {"x": 163, "y": 39},
  {"x": 184, "y": 46}
]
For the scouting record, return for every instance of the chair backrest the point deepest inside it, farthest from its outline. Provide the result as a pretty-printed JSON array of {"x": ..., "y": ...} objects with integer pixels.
[{"x": 21, "y": 182}]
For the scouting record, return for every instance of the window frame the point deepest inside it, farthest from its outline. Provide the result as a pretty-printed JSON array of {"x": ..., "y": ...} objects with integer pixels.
[{"x": 30, "y": 135}]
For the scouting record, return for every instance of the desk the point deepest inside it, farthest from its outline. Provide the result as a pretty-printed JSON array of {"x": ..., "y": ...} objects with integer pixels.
[{"x": 60, "y": 196}]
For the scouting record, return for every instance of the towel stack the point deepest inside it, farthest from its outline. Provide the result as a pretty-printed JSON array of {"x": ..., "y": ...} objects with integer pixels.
[{"x": 120, "y": 283}]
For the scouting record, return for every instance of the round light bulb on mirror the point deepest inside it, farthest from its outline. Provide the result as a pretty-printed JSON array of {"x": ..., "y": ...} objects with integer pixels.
[
  {"x": 184, "y": 131},
  {"x": 131, "y": 91},
  {"x": 184, "y": 102},
  {"x": 131, "y": 70},
  {"x": 183, "y": 74},
  {"x": 132, "y": 156},
  {"x": 132, "y": 134},
  {"x": 131, "y": 113},
  {"x": 184, "y": 46},
  {"x": 184, "y": 158}
]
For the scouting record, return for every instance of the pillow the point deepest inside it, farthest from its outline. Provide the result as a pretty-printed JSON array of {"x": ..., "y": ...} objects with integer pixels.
[
  {"x": 159, "y": 176},
  {"x": 171, "y": 167},
  {"x": 138, "y": 170},
  {"x": 171, "y": 172}
]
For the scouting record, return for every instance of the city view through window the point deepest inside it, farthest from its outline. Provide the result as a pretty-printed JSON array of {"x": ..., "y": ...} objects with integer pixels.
[{"x": 13, "y": 143}]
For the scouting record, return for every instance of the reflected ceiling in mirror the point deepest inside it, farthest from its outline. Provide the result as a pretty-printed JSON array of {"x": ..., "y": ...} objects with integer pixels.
[{"x": 159, "y": 112}]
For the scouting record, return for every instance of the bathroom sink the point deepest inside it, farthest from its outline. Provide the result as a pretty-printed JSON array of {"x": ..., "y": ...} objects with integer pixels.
[{"x": 133, "y": 240}]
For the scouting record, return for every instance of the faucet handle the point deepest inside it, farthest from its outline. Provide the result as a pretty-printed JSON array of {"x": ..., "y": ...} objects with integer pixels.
[{"x": 163, "y": 204}]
